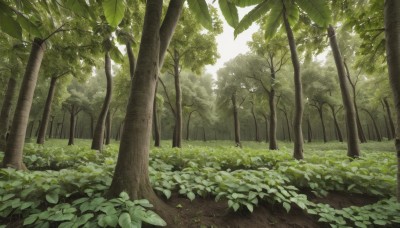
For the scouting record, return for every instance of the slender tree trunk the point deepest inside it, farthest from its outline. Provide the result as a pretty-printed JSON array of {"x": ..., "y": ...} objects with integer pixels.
[
  {"x": 338, "y": 131},
  {"x": 97, "y": 143},
  {"x": 108, "y": 127},
  {"x": 288, "y": 126},
  {"x": 369, "y": 132},
  {"x": 15, "y": 143},
  {"x": 353, "y": 149},
  {"x": 72, "y": 125},
  {"x": 51, "y": 127},
  {"x": 267, "y": 139},
  {"x": 157, "y": 136},
  {"x": 361, "y": 134},
  {"x": 257, "y": 137},
  {"x": 236, "y": 121},
  {"x": 309, "y": 130},
  {"x": 6, "y": 110},
  {"x": 131, "y": 172},
  {"x": 178, "y": 102},
  {"x": 62, "y": 125},
  {"x": 38, "y": 127},
  {"x": 188, "y": 125},
  {"x": 91, "y": 125},
  {"x": 388, "y": 132},
  {"x": 76, "y": 123},
  {"x": 298, "y": 115},
  {"x": 321, "y": 116},
  {"x": 30, "y": 132},
  {"x": 273, "y": 144},
  {"x": 204, "y": 135},
  {"x": 283, "y": 130},
  {"x": 131, "y": 58},
  {"x": 389, "y": 114},
  {"x": 377, "y": 133},
  {"x": 46, "y": 111}
]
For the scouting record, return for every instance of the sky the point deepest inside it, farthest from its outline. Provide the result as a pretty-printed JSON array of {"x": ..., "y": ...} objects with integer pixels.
[{"x": 228, "y": 47}]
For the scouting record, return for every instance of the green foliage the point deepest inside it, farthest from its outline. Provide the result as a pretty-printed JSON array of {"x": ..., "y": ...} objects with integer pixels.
[
  {"x": 244, "y": 178},
  {"x": 200, "y": 10},
  {"x": 114, "y": 11},
  {"x": 230, "y": 12}
]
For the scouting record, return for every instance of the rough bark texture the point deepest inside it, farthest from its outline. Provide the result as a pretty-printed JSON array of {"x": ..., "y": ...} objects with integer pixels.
[
  {"x": 392, "y": 33},
  {"x": 236, "y": 121},
  {"x": 298, "y": 114},
  {"x": 98, "y": 135},
  {"x": 6, "y": 110},
  {"x": 353, "y": 149},
  {"x": 131, "y": 172},
  {"x": 46, "y": 112},
  {"x": 15, "y": 142},
  {"x": 178, "y": 103}
]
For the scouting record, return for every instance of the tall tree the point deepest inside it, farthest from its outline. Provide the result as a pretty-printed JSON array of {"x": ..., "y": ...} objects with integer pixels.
[{"x": 392, "y": 34}]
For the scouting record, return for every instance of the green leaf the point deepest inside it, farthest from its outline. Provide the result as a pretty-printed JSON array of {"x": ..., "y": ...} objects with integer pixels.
[
  {"x": 124, "y": 196},
  {"x": 274, "y": 20},
  {"x": 108, "y": 220},
  {"x": 10, "y": 26},
  {"x": 286, "y": 206},
  {"x": 317, "y": 10},
  {"x": 229, "y": 11},
  {"x": 28, "y": 26},
  {"x": 114, "y": 11},
  {"x": 255, "y": 14},
  {"x": 153, "y": 219},
  {"x": 191, "y": 196},
  {"x": 52, "y": 197},
  {"x": 124, "y": 220},
  {"x": 244, "y": 3},
  {"x": 79, "y": 7},
  {"x": 167, "y": 193},
  {"x": 200, "y": 10},
  {"x": 30, "y": 220}
]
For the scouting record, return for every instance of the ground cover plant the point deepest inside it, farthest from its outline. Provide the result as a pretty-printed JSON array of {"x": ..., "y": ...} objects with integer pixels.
[{"x": 66, "y": 186}]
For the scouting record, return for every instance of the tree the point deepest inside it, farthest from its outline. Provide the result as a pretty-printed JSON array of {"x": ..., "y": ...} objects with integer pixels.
[
  {"x": 191, "y": 48},
  {"x": 392, "y": 34},
  {"x": 287, "y": 12},
  {"x": 274, "y": 53}
]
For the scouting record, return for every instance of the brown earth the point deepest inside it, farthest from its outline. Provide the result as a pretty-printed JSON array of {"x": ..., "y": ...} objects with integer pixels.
[{"x": 206, "y": 212}]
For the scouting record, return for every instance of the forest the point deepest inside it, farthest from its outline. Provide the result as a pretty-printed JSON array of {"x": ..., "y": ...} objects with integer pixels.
[{"x": 110, "y": 118}]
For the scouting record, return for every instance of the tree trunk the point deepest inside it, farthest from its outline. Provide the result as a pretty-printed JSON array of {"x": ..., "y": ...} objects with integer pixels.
[
  {"x": 267, "y": 139},
  {"x": 283, "y": 131},
  {"x": 204, "y": 135},
  {"x": 257, "y": 137},
  {"x": 392, "y": 34},
  {"x": 389, "y": 114},
  {"x": 360, "y": 130},
  {"x": 131, "y": 172},
  {"x": 178, "y": 102},
  {"x": 51, "y": 127},
  {"x": 15, "y": 143},
  {"x": 157, "y": 136},
  {"x": 131, "y": 58},
  {"x": 62, "y": 125},
  {"x": 30, "y": 131},
  {"x": 298, "y": 115},
  {"x": 46, "y": 111},
  {"x": 288, "y": 126},
  {"x": 108, "y": 127},
  {"x": 72, "y": 124},
  {"x": 377, "y": 133},
  {"x": 38, "y": 128},
  {"x": 321, "y": 116},
  {"x": 273, "y": 145},
  {"x": 91, "y": 125},
  {"x": 309, "y": 130},
  {"x": 236, "y": 121},
  {"x": 6, "y": 110},
  {"x": 369, "y": 132},
  {"x": 98, "y": 135},
  {"x": 338, "y": 131},
  {"x": 388, "y": 132},
  {"x": 188, "y": 125},
  {"x": 353, "y": 149}
]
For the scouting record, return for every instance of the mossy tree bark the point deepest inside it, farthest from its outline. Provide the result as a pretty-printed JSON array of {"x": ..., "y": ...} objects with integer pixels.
[
  {"x": 6, "y": 110},
  {"x": 392, "y": 33},
  {"x": 15, "y": 142}
]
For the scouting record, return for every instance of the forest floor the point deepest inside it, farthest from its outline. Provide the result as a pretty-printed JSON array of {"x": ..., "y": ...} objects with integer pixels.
[
  {"x": 208, "y": 184},
  {"x": 205, "y": 212}
]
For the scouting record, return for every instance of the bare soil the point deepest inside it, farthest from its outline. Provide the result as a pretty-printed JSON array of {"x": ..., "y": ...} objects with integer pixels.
[{"x": 205, "y": 212}]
